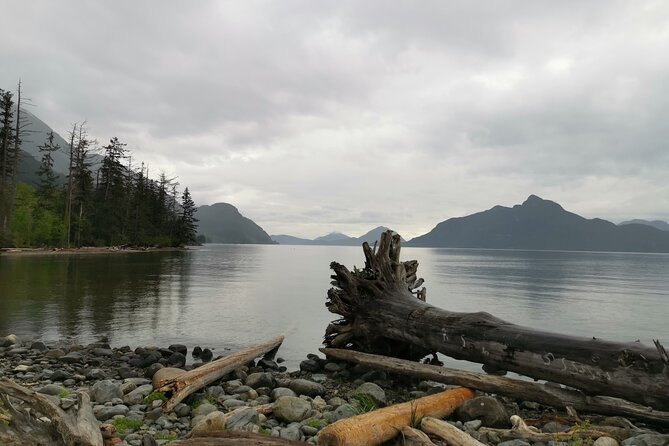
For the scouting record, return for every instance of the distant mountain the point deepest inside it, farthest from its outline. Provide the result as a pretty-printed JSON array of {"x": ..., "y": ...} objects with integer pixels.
[
  {"x": 659, "y": 224},
  {"x": 222, "y": 223},
  {"x": 31, "y": 156},
  {"x": 333, "y": 239},
  {"x": 541, "y": 224},
  {"x": 283, "y": 239}
]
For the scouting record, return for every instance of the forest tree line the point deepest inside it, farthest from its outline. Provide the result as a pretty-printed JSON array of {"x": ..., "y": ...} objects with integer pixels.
[{"x": 108, "y": 204}]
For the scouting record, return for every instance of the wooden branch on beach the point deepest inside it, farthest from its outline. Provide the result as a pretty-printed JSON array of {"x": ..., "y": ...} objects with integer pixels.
[
  {"x": 373, "y": 428},
  {"x": 514, "y": 388},
  {"x": 448, "y": 432},
  {"x": 72, "y": 428},
  {"x": 383, "y": 312},
  {"x": 522, "y": 431},
  {"x": 179, "y": 386},
  {"x": 414, "y": 437}
]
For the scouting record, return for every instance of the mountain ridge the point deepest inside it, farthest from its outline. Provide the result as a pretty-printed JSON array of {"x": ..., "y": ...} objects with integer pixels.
[
  {"x": 544, "y": 225},
  {"x": 223, "y": 223}
]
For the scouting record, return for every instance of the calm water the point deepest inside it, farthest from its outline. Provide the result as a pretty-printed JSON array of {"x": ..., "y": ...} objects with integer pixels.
[{"x": 229, "y": 296}]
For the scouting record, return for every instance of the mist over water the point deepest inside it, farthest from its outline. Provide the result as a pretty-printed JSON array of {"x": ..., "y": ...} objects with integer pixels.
[{"x": 230, "y": 296}]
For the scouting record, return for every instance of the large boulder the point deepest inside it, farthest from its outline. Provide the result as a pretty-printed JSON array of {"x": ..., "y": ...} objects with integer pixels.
[
  {"x": 306, "y": 387},
  {"x": 291, "y": 409},
  {"x": 647, "y": 440},
  {"x": 105, "y": 391},
  {"x": 374, "y": 391},
  {"x": 487, "y": 409},
  {"x": 240, "y": 421}
]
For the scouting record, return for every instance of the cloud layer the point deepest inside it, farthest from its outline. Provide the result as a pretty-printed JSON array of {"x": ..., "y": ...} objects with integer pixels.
[{"x": 320, "y": 116}]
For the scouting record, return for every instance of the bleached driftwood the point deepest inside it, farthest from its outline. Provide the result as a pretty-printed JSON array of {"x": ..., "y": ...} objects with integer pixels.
[
  {"x": 54, "y": 425},
  {"x": 515, "y": 388},
  {"x": 448, "y": 432},
  {"x": 180, "y": 386},
  {"x": 520, "y": 430}
]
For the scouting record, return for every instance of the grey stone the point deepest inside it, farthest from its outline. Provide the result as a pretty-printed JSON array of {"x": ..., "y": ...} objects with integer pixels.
[
  {"x": 215, "y": 391},
  {"x": 180, "y": 348},
  {"x": 182, "y": 410},
  {"x": 647, "y": 440},
  {"x": 309, "y": 430},
  {"x": 39, "y": 345},
  {"x": 110, "y": 412},
  {"x": 150, "y": 358},
  {"x": 373, "y": 390},
  {"x": 52, "y": 389},
  {"x": 553, "y": 427},
  {"x": 9, "y": 340},
  {"x": 152, "y": 369},
  {"x": 490, "y": 411},
  {"x": 106, "y": 390},
  {"x": 256, "y": 380},
  {"x": 176, "y": 359},
  {"x": 72, "y": 357},
  {"x": 103, "y": 352},
  {"x": 282, "y": 391},
  {"x": 241, "y": 419},
  {"x": 341, "y": 412},
  {"x": 605, "y": 441},
  {"x": 473, "y": 425},
  {"x": 310, "y": 365},
  {"x": 95, "y": 374},
  {"x": 291, "y": 409},
  {"x": 137, "y": 396},
  {"x": 60, "y": 375},
  {"x": 66, "y": 403},
  {"x": 203, "y": 409},
  {"x": 515, "y": 442},
  {"x": 331, "y": 367},
  {"x": 233, "y": 403},
  {"x": 291, "y": 432},
  {"x": 306, "y": 387}
]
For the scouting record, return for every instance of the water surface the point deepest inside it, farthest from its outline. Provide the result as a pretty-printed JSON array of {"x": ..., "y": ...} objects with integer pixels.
[{"x": 230, "y": 296}]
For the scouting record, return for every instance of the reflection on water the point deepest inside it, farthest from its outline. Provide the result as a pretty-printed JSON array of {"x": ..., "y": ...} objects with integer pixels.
[{"x": 228, "y": 296}]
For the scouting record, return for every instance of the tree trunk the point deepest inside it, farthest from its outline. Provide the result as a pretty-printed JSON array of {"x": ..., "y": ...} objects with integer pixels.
[
  {"x": 500, "y": 385},
  {"x": 383, "y": 312}
]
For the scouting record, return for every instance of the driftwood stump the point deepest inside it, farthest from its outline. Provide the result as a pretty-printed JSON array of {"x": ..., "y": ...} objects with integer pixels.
[{"x": 383, "y": 311}]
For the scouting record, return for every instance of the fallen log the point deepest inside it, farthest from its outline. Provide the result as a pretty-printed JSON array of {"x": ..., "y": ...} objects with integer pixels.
[
  {"x": 235, "y": 438},
  {"x": 70, "y": 428},
  {"x": 179, "y": 386},
  {"x": 414, "y": 437},
  {"x": 522, "y": 431},
  {"x": 383, "y": 311},
  {"x": 448, "y": 432},
  {"x": 373, "y": 428},
  {"x": 514, "y": 388}
]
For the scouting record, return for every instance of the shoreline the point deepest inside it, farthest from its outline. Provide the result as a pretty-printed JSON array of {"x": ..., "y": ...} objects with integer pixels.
[
  {"x": 322, "y": 391},
  {"x": 84, "y": 250}
]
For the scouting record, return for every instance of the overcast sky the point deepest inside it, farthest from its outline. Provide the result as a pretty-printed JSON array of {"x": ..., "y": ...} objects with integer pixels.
[{"x": 319, "y": 116}]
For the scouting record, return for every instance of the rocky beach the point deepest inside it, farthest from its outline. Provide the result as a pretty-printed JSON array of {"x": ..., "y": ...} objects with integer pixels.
[{"x": 302, "y": 402}]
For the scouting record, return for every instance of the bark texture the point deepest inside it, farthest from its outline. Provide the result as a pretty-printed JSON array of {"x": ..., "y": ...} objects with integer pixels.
[{"x": 383, "y": 311}]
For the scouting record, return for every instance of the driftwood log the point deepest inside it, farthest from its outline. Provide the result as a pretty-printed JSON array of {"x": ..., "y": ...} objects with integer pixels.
[
  {"x": 373, "y": 428},
  {"x": 235, "y": 439},
  {"x": 383, "y": 311},
  {"x": 37, "y": 420},
  {"x": 520, "y": 430},
  {"x": 501, "y": 385},
  {"x": 448, "y": 432},
  {"x": 179, "y": 385}
]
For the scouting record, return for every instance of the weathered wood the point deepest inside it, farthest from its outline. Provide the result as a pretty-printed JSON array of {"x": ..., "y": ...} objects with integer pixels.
[
  {"x": 373, "y": 428},
  {"x": 515, "y": 388},
  {"x": 72, "y": 428},
  {"x": 450, "y": 433},
  {"x": 382, "y": 314},
  {"x": 180, "y": 386},
  {"x": 413, "y": 437},
  {"x": 235, "y": 438},
  {"x": 521, "y": 431}
]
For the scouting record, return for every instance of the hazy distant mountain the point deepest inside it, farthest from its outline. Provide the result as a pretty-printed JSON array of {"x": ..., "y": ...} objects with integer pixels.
[
  {"x": 222, "y": 223},
  {"x": 31, "y": 156},
  {"x": 541, "y": 224},
  {"x": 659, "y": 224},
  {"x": 333, "y": 239},
  {"x": 283, "y": 239}
]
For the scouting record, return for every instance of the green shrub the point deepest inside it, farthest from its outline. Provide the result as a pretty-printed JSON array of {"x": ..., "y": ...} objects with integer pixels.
[
  {"x": 154, "y": 396},
  {"x": 364, "y": 402},
  {"x": 123, "y": 424}
]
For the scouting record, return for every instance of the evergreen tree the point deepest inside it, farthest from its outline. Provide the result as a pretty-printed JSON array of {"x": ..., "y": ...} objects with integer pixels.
[
  {"x": 47, "y": 177},
  {"x": 187, "y": 220},
  {"x": 6, "y": 173}
]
